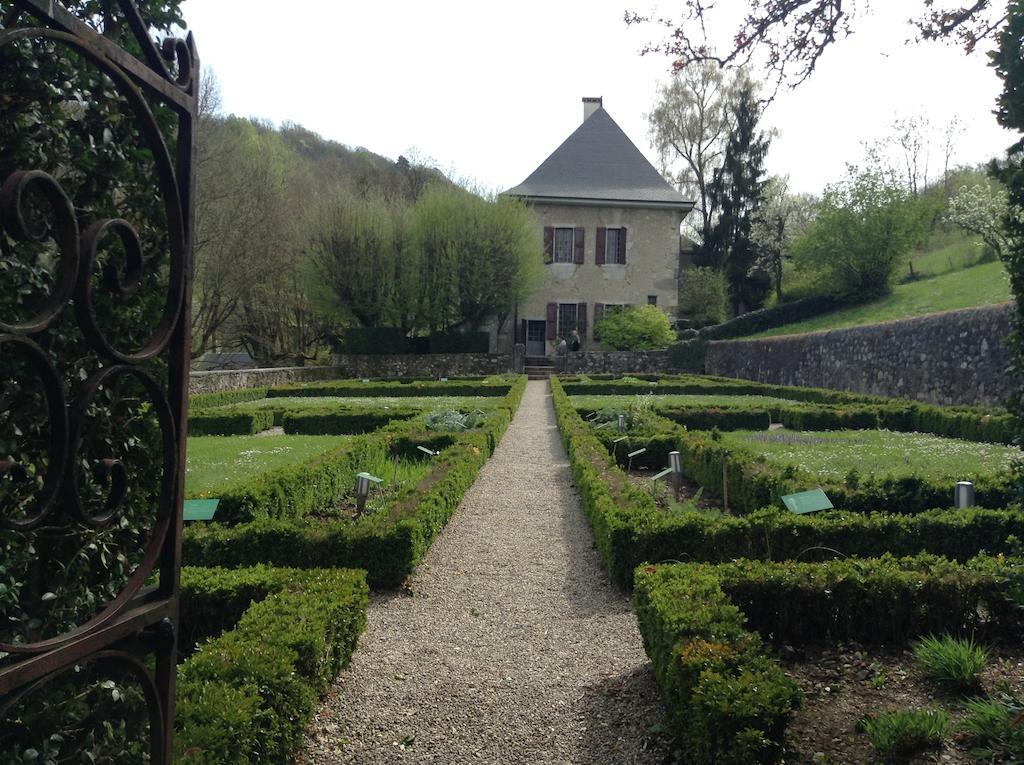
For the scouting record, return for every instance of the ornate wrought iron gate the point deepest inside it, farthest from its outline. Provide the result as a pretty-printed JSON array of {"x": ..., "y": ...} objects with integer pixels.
[{"x": 94, "y": 359}]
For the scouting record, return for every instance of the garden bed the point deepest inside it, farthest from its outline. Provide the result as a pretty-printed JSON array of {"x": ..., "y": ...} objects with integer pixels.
[
  {"x": 837, "y": 455},
  {"x": 218, "y": 464},
  {"x": 844, "y": 684}
]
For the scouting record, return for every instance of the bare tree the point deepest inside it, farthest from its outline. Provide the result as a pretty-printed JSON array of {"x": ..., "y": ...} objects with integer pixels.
[
  {"x": 788, "y": 37},
  {"x": 689, "y": 127}
]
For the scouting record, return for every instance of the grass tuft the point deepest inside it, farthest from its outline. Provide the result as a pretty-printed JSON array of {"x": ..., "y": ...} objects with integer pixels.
[
  {"x": 954, "y": 662},
  {"x": 993, "y": 728},
  {"x": 898, "y": 735}
]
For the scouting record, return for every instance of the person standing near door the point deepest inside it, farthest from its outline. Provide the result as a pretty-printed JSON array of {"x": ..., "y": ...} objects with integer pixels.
[
  {"x": 561, "y": 355},
  {"x": 574, "y": 342}
]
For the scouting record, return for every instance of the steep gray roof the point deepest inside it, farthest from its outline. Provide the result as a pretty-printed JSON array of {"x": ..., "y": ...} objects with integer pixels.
[{"x": 598, "y": 164}]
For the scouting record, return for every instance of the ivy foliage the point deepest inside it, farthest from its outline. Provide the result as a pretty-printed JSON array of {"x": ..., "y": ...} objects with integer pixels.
[{"x": 67, "y": 118}]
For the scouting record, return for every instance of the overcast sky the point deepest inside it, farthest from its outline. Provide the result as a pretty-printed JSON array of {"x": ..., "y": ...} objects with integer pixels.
[{"x": 488, "y": 90}]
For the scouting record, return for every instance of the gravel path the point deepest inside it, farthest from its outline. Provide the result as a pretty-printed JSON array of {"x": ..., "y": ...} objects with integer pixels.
[{"x": 508, "y": 645}]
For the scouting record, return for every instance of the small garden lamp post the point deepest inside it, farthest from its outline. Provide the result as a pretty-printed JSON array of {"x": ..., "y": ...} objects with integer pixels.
[
  {"x": 963, "y": 495},
  {"x": 622, "y": 423},
  {"x": 363, "y": 483},
  {"x": 676, "y": 466}
]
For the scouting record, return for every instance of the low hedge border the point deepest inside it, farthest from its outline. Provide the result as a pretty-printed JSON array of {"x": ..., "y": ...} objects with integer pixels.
[
  {"x": 389, "y": 543},
  {"x": 728, "y": 702},
  {"x": 214, "y": 599},
  {"x": 247, "y": 696},
  {"x": 341, "y": 422},
  {"x": 220, "y": 423},
  {"x": 358, "y": 389},
  {"x": 629, "y": 529},
  {"x": 204, "y": 401}
]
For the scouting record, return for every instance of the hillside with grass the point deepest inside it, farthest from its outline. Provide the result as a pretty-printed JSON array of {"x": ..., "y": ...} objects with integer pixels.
[{"x": 952, "y": 271}]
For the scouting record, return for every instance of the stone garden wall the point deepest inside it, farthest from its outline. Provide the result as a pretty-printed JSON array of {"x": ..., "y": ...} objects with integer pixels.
[
  {"x": 957, "y": 357},
  {"x": 617, "y": 362},
  {"x": 350, "y": 366}
]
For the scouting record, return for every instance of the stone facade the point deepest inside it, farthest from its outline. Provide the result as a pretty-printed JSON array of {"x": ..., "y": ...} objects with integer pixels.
[
  {"x": 428, "y": 366},
  {"x": 651, "y": 267},
  {"x": 957, "y": 357}
]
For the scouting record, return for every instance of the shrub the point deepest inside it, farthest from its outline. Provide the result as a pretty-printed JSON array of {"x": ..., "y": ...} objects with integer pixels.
[
  {"x": 951, "y": 661},
  {"x": 863, "y": 229},
  {"x": 897, "y": 735},
  {"x": 451, "y": 421},
  {"x": 639, "y": 328},
  {"x": 687, "y": 355},
  {"x": 703, "y": 295}
]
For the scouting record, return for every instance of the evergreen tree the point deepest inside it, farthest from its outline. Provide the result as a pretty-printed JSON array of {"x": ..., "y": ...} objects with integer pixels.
[
  {"x": 1009, "y": 64},
  {"x": 736, "y": 191}
]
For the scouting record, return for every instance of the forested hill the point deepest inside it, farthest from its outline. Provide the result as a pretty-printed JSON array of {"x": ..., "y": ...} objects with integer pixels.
[{"x": 360, "y": 169}]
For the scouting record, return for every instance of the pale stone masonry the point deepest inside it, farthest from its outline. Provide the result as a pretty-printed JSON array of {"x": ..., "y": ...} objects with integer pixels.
[{"x": 610, "y": 226}]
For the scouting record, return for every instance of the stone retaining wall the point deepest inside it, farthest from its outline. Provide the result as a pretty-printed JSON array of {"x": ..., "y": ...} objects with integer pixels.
[
  {"x": 957, "y": 357},
  {"x": 351, "y": 366},
  {"x": 617, "y": 362}
]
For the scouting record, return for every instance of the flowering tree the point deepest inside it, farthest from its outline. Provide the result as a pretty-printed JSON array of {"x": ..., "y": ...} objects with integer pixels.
[{"x": 981, "y": 209}]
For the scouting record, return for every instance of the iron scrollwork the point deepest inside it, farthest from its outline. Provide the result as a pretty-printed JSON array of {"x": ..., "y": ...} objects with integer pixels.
[{"x": 92, "y": 451}]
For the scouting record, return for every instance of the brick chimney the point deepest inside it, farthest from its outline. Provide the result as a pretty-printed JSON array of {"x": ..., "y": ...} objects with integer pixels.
[{"x": 590, "y": 105}]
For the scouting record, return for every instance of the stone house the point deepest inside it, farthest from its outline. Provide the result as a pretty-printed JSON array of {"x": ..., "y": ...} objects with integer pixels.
[{"x": 611, "y": 234}]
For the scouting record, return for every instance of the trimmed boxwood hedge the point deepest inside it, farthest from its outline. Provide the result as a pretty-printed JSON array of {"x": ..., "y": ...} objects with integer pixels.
[
  {"x": 247, "y": 696},
  {"x": 388, "y": 543},
  {"x": 393, "y": 388},
  {"x": 330, "y": 422},
  {"x": 204, "y": 401},
  {"x": 228, "y": 423},
  {"x": 629, "y": 529},
  {"x": 727, "y": 701},
  {"x": 214, "y": 599}
]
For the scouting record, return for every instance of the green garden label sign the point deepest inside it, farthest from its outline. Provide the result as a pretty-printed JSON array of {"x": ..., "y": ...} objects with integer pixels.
[
  {"x": 200, "y": 509},
  {"x": 807, "y": 502}
]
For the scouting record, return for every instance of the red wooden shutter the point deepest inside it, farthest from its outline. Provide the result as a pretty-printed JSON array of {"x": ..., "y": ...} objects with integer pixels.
[
  {"x": 622, "y": 245},
  {"x": 598, "y": 315},
  {"x": 552, "y": 327},
  {"x": 577, "y": 249},
  {"x": 581, "y": 319},
  {"x": 549, "y": 243},
  {"x": 602, "y": 235}
]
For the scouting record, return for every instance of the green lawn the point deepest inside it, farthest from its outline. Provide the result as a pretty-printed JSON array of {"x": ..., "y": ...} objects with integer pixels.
[
  {"x": 948, "y": 252},
  {"x": 218, "y": 463},
  {"x": 832, "y": 454},
  {"x": 979, "y": 285},
  {"x": 356, "y": 402},
  {"x": 605, "y": 402}
]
